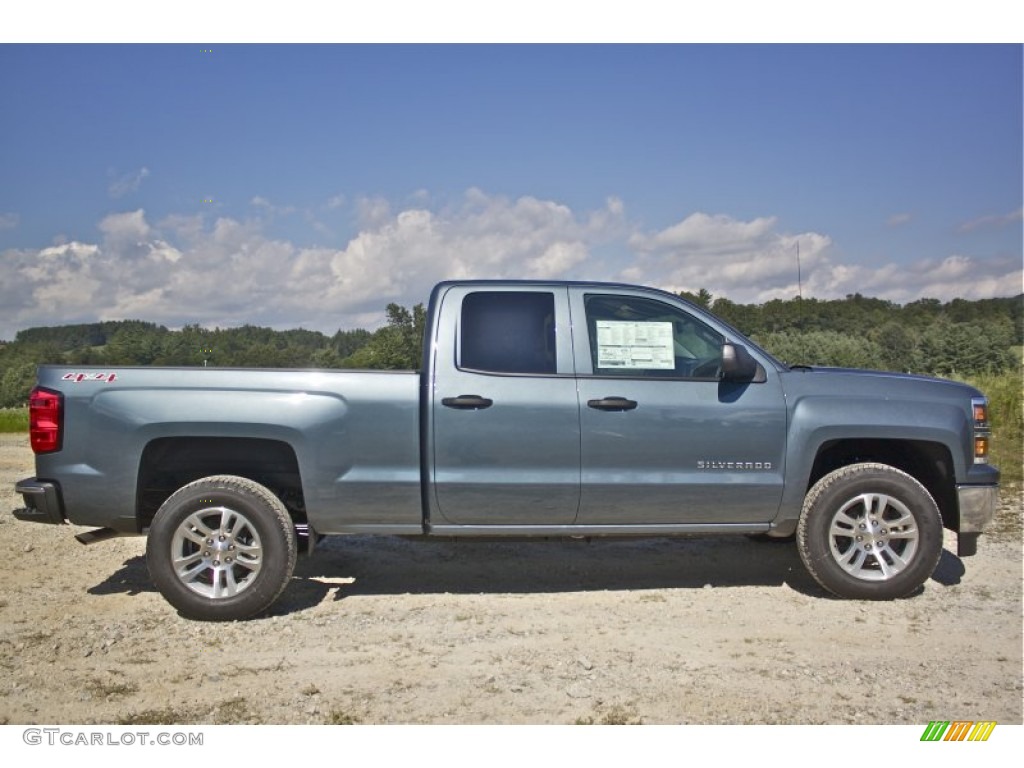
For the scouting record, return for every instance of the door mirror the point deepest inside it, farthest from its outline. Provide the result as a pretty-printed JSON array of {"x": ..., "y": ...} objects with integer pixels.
[{"x": 737, "y": 363}]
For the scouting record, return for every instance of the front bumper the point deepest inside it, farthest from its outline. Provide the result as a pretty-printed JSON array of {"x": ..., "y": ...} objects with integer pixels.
[
  {"x": 978, "y": 504},
  {"x": 43, "y": 502}
]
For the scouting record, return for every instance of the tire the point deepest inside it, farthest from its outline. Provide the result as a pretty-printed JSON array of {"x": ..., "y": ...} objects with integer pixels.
[
  {"x": 221, "y": 549},
  {"x": 870, "y": 532}
]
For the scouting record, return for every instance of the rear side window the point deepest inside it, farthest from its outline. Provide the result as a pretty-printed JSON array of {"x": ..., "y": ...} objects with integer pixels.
[{"x": 508, "y": 332}]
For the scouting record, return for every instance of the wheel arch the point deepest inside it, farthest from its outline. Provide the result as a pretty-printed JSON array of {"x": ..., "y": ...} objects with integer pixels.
[
  {"x": 928, "y": 462},
  {"x": 170, "y": 463}
]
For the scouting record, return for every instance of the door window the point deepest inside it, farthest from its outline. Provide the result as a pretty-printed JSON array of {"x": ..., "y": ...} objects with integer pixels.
[{"x": 640, "y": 338}]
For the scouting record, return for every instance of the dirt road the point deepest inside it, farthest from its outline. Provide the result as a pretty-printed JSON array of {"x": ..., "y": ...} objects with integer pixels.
[{"x": 378, "y": 630}]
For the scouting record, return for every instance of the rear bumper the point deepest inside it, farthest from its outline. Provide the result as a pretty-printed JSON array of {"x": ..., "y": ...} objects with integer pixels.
[
  {"x": 978, "y": 504},
  {"x": 43, "y": 502}
]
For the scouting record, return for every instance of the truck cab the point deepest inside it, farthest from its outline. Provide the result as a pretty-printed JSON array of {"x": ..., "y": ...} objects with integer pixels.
[{"x": 589, "y": 406}]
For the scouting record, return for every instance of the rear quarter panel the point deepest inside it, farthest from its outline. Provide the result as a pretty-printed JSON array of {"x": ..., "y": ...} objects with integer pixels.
[{"x": 354, "y": 434}]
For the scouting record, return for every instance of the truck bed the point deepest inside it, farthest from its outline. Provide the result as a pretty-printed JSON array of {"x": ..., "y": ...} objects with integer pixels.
[{"x": 354, "y": 433}]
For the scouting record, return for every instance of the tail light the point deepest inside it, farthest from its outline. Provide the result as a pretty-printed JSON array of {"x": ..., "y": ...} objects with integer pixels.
[{"x": 45, "y": 420}]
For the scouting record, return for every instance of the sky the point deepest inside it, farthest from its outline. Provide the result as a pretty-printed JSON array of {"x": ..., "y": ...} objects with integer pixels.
[{"x": 309, "y": 185}]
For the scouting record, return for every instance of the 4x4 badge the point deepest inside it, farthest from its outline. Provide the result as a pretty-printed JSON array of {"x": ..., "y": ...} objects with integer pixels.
[{"x": 77, "y": 377}]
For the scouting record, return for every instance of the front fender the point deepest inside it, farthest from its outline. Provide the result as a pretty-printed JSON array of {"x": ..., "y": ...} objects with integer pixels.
[{"x": 817, "y": 421}]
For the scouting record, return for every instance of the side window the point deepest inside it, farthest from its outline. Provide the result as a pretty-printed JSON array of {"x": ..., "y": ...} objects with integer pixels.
[
  {"x": 639, "y": 337},
  {"x": 508, "y": 332}
]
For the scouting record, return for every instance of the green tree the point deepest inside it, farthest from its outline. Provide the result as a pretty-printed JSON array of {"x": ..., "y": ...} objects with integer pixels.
[
  {"x": 701, "y": 298},
  {"x": 15, "y": 384},
  {"x": 826, "y": 348},
  {"x": 897, "y": 348},
  {"x": 396, "y": 346},
  {"x": 344, "y": 343}
]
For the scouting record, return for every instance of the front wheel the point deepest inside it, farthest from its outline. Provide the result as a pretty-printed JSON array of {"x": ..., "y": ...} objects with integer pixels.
[
  {"x": 870, "y": 532},
  {"x": 221, "y": 549}
]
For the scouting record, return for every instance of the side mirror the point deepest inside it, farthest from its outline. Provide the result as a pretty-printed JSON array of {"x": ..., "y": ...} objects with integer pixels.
[{"x": 737, "y": 364}]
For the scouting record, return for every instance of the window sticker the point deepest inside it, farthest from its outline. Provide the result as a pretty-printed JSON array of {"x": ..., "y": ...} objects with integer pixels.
[{"x": 635, "y": 345}]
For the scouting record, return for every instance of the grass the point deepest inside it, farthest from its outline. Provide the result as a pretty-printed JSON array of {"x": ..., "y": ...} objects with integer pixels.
[
  {"x": 166, "y": 716},
  {"x": 617, "y": 715},
  {"x": 233, "y": 711},
  {"x": 13, "y": 419},
  {"x": 340, "y": 717},
  {"x": 110, "y": 689}
]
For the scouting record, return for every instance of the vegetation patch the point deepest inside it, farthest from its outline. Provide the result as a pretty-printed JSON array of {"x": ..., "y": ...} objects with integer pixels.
[
  {"x": 617, "y": 715},
  {"x": 233, "y": 712},
  {"x": 340, "y": 717},
  {"x": 165, "y": 716},
  {"x": 111, "y": 688},
  {"x": 14, "y": 419}
]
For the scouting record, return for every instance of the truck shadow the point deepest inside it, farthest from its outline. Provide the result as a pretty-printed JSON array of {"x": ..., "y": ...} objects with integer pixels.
[
  {"x": 344, "y": 567},
  {"x": 349, "y": 567},
  {"x": 366, "y": 566}
]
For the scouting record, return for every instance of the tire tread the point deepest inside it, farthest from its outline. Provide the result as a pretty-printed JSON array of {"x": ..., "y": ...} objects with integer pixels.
[
  {"x": 256, "y": 601},
  {"x": 813, "y": 560}
]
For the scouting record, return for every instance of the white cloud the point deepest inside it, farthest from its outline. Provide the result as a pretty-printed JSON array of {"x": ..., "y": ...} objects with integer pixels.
[
  {"x": 752, "y": 262},
  {"x": 125, "y": 227},
  {"x": 9, "y": 220},
  {"x": 271, "y": 209},
  {"x": 898, "y": 219},
  {"x": 51, "y": 286},
  {"x": 743, "y": 260},
  {"x": 318, "y": 226},
  {"x": 224, "y": 271},
  {"x": 992, "y": 222},
  {"x": 700, "y": 233},
  {"x": 73, "y": 250},
  {"x": 948, "y": 278},
  {"x": 373, "y": 212},
  {"x": 127, "y": 183}
]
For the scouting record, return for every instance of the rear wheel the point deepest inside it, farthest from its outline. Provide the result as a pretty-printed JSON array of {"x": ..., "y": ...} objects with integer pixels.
[
  {"x": 221, "y": 549},
  {"x": 870, "y": 532}
]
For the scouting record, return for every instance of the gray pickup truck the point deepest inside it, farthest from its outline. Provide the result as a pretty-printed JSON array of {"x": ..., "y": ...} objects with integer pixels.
[{"x": 542, "y": 409}]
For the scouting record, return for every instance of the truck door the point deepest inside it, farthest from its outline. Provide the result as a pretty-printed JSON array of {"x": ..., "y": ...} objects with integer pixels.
[
  {"x": 664, "y": 440},
  {"x": 505, "y": 416}
]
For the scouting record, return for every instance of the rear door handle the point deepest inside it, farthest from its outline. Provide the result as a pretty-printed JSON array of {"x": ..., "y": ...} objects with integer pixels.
[
  {"x": 467, "y": 402},
  {"x": 612, "y": 404}
]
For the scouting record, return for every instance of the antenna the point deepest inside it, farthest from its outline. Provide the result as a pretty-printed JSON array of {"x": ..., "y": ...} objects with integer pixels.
[{"x": 799, "y": 277}]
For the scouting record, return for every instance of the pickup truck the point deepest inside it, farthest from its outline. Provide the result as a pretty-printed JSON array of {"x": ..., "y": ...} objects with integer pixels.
[{"x": 542, "y": 409}]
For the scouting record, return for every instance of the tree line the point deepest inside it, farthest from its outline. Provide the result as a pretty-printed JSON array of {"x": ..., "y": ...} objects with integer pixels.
[{"x": 957, "y": 338}]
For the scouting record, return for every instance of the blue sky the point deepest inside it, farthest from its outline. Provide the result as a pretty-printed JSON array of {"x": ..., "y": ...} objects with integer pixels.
[{"x": 310, "y": 185}]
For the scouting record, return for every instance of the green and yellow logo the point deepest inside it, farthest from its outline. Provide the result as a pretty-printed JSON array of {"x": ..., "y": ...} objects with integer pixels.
[{"x": 958, "y": 730}]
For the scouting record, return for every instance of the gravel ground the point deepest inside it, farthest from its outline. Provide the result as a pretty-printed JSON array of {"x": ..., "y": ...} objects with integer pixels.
[{"x": 379, "y": 630}]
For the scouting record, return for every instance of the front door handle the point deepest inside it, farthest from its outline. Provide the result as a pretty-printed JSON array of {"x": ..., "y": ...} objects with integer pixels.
[
  {"x": 468, "y": 402},
  {"x": 612, "y": 404}
]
